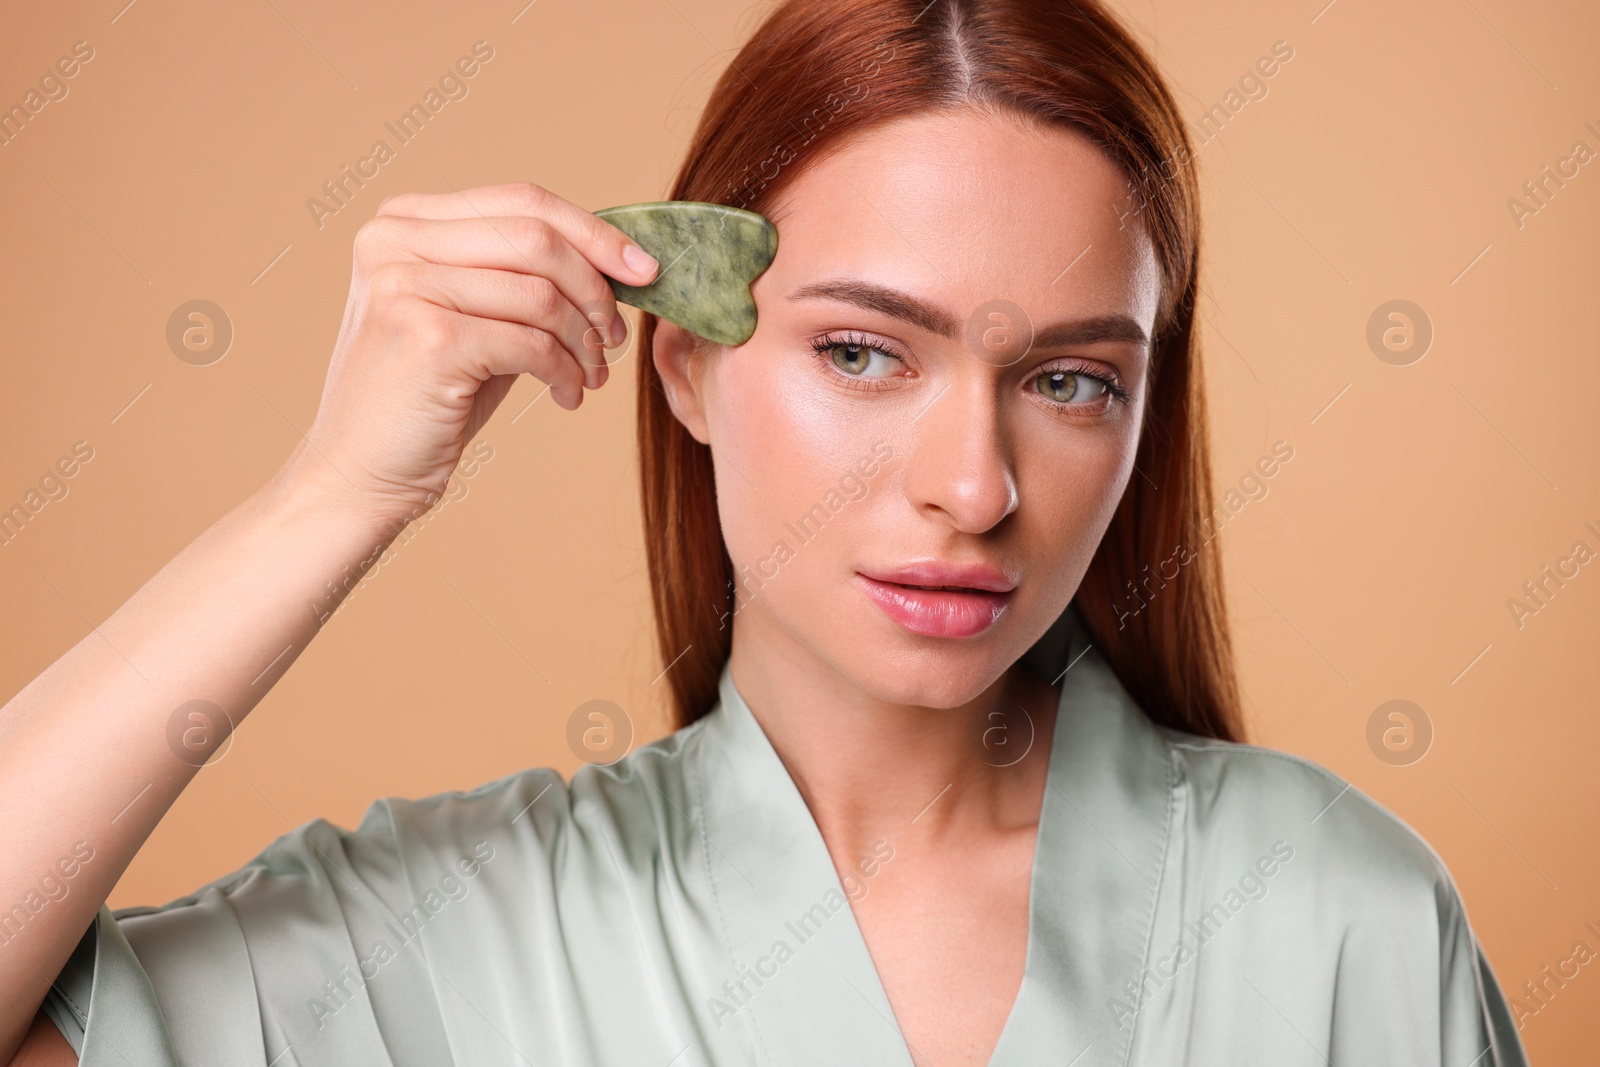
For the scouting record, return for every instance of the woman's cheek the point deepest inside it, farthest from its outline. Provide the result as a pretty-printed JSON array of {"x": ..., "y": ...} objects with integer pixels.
[
  {"x": 797, "y": 465},
  {"x": 789, "y": 432},
  {"x": 763, "y": 459},
  {"x": 1085, "y": 500}
]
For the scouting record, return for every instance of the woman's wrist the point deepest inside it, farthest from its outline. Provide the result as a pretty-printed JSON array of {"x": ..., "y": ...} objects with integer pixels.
[{"x": 308, "y": 488}]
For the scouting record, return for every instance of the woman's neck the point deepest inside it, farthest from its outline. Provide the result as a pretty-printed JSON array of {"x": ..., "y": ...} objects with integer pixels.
[{"x": 875, "y": 770}]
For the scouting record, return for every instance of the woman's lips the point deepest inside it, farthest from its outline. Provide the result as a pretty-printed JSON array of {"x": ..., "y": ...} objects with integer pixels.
[{"x": 936, "y": 612}]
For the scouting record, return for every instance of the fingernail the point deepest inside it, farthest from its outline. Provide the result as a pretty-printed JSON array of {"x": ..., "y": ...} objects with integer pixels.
[
  {"x": 638, "y": 260},
  {"x": 619, "y": 328}
]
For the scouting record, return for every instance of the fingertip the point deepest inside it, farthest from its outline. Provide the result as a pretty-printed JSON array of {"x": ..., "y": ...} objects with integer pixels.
[{"x": 642, "y": 263}]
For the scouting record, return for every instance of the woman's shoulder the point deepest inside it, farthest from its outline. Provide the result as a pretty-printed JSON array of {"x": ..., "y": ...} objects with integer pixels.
[
  {"x": 1344, "y": 898},
  {"x": 520, "y": 826},
  {"x": 1242, "y": 796},
  {"x": 640, "y": 795}
]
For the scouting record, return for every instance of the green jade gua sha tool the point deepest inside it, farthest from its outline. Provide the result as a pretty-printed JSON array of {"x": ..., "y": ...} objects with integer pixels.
[{"x": 709, "y": 255}]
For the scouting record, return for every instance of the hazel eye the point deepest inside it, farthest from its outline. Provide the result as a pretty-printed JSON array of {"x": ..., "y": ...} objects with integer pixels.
[
  {"x": 855, "y": 359},
  {"x": 1065, "y": 387}
]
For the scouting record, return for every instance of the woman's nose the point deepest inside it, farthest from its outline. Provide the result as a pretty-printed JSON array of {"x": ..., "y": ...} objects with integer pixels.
[{"x": 959, "y": 457}]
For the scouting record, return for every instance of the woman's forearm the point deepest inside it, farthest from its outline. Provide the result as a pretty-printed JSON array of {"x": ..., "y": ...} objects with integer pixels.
[
  {"x": 452, "y": 298},
  {"x": 96, "y": 749}
]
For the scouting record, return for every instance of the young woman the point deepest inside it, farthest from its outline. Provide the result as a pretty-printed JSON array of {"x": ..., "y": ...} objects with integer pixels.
[{"x": 959, "y": 778}]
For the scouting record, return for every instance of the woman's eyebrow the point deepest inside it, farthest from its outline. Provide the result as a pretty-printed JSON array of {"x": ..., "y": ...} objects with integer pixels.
[{"x": 936, "y": 320}]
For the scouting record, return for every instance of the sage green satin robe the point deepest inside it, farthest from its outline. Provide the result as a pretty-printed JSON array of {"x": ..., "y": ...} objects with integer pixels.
[{"x": 1193, "y": 903}]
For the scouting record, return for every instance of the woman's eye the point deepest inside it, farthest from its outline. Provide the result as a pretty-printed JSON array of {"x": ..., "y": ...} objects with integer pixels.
[
  {"x": 1067, "y": 387},
  {"x": 855, "y": 359}
]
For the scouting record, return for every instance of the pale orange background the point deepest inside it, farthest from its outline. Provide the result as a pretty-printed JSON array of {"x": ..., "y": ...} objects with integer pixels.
[{"x": 1379, "y": 566}]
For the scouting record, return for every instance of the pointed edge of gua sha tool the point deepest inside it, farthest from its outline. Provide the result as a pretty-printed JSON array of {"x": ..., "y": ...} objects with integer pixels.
[{"x": 709, "y": 256}]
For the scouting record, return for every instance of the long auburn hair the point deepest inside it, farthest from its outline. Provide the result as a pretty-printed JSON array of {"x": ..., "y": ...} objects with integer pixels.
[{"x": 814, "y": 72}]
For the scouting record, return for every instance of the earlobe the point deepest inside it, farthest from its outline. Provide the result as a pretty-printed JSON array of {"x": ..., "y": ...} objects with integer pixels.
[{"x": 673, "y": 350}]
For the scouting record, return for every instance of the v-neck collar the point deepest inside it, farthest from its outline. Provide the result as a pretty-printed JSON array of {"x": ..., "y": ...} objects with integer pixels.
[{"x": 801, "y": 985}]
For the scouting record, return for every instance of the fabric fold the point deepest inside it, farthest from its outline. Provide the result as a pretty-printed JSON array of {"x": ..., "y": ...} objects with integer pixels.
[{"x": 1192, "y": 903}]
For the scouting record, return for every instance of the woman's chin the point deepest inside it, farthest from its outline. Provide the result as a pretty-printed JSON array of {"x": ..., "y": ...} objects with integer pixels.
[{"x": 931, "y": 675}]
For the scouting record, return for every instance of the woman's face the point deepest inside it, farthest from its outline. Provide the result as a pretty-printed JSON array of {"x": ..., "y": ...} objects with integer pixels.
[{"x": 890, "y": 413}]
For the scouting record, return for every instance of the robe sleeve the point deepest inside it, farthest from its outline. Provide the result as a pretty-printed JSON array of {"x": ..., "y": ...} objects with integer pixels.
[
  {"x": 280, "y": 956},
  {"x": 1475, "y": 1023},
  {"x": 1413, "y": 984}
]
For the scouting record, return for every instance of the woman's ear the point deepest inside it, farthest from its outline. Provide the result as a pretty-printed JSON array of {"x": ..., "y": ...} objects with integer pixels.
[{"x": 675, "y": 351}]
